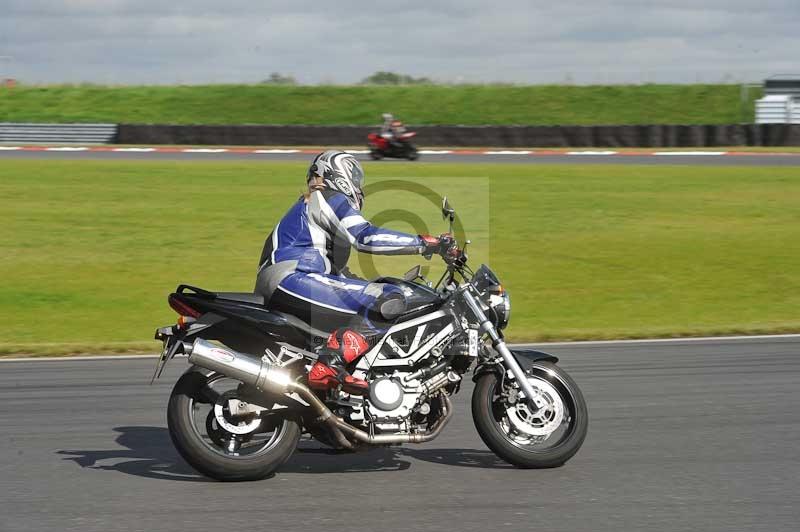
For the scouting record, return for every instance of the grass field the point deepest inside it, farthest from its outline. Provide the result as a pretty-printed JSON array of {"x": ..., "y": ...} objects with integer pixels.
[
  {"x": 89, "y": 250},
  {"x": 468, "y": 105}
]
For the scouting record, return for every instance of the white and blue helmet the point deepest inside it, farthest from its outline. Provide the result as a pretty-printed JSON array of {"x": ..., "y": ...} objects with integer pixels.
[{"x": 339, "y": 171}]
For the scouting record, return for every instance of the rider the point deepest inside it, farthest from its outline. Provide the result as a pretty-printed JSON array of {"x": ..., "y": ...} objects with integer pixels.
[
  {"x": 392, "y": 129},
  {"x": 303, "y": 266},
  {"x": 386, "y": 128}
]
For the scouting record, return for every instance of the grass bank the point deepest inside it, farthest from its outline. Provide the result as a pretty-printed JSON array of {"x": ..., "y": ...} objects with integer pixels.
[
  {"x": 432, "y": 104},
  {"x": 90, "y": 249}
]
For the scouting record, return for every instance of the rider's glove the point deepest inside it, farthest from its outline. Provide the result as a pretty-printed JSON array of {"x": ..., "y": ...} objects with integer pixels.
[
  {"x": 436, "y": 245},
  {"x": 455, "y": 256}
]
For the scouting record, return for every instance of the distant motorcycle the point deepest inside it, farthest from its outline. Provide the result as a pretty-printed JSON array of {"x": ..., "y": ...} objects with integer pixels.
[
  {"x": 240, "y": 409},
  {"x": 398, "y": 146}
]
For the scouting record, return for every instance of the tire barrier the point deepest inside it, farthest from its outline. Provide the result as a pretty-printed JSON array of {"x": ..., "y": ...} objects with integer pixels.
[
  {"x": 646, "y": 136},
  {"x": 61, "y": 133},
  {"x": 249, "y": 135}
]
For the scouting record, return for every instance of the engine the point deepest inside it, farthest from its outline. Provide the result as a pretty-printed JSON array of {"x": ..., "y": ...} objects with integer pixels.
[
  {"x": 404, "y": 370},
  {"x": 393, "y": 398}
]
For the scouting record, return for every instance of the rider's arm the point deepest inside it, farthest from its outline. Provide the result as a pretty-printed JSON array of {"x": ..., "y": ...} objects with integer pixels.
[{"x": 333, "y": 212}]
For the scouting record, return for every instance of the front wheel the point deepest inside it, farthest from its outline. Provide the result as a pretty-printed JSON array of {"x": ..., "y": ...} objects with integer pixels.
[
  {"x": 224, "y": 437},
  {"x": 507, "y": 425}
]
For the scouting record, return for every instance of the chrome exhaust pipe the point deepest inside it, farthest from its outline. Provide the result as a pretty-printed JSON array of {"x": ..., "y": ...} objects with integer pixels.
[
  {"x": 268, "y": 377},
  {"x": 246, "y": 368}
]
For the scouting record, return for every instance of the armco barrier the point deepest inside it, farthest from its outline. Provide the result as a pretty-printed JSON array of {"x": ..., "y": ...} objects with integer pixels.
[
  {"x": 61, "y": 133},
  {"x": 250, "y": 135},
  {"x": 656, "y": 136}
]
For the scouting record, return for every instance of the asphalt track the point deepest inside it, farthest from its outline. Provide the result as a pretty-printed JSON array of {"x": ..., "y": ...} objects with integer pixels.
[
  {"x": 753, "y": 159},
  {"x": 683, "y": 436}
]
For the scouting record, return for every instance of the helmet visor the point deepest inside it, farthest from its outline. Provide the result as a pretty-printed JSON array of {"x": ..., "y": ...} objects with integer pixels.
[{"x": 357, "y": 176}]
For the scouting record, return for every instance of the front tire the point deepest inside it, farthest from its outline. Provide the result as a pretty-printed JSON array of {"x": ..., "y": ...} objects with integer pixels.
[
  {"x": 209, "y": 453},
  {"x": 540, "y": 440}
]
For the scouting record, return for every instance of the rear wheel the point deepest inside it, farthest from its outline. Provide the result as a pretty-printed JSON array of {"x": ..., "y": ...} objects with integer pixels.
[
  {"x": 412, "y": 154},
  {"x": 224, "y": 437},
  {"x": 523, "y": 437},
  {"x": 375, "y": 154}
]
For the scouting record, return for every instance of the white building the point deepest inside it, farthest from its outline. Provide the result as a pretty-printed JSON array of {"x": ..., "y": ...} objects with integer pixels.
[{"x": 781, "y": 101}]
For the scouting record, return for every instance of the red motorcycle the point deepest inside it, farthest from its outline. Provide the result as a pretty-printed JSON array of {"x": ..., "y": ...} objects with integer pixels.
[{"x": 397, "y": 144}]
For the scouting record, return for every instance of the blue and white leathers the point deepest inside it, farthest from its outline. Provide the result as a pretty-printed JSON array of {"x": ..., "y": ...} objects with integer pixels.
[{"x": 303, "y": 257}]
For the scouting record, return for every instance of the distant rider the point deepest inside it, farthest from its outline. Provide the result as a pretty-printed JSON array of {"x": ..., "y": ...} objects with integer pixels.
[
  {"x": 386, "y": 128},
  {"x": 392, "y": 129},
  {"x": 301, "y": 271}
]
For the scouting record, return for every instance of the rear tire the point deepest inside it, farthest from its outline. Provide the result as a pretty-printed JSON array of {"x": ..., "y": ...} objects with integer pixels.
[
  {"x": 211, "y": 463},
  {"x": 375, "y": 155},
  {"x": 412, "y": 154},
  {"x": 487, "y": 412}
]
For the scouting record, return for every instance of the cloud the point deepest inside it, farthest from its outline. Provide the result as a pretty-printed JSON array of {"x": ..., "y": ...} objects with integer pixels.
[{"x": 147, "y": 41}]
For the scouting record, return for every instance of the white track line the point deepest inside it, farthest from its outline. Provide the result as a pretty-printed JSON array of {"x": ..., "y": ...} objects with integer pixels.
[
  {"x": 357, "y": 152},
  {"x": 545, "y": 344},
  {"x": 434, "y": 152},
  {"x": 135, "y": 150},
  {"x": 507, "y": 152},
  {"x": 276, "y": 151},
  {"x": 68, "y": 148},
  {"x": 671, "y": 340},
  {"x": 204, "y": 150},
  {"x": 10, "y": 148},
  {"x": 80, "y": 358},
  {"x": 590, "y": 152},
  {"x": 689, "y": 153}
]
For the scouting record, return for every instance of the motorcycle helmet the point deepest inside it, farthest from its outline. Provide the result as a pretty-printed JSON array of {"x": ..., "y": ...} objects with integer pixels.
[{"x": 339, "y": 171}]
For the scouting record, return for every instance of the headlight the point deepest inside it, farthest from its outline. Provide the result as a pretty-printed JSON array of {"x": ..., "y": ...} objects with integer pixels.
[
  {"x": 494, "y": 297},
  {"x": 500, "y": 304}
]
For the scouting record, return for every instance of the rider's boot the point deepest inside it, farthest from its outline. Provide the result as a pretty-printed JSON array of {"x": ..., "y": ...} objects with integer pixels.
[{"x": 343, "y": 347}]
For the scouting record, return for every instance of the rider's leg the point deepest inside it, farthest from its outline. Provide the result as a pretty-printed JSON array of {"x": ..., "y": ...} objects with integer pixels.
[
  {"x": 344, "y": 347},
  {"x": 330, "y": 302}
]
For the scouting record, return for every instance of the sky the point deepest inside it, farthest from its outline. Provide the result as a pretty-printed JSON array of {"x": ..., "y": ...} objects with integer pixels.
[{"x": 516, "y": 41}]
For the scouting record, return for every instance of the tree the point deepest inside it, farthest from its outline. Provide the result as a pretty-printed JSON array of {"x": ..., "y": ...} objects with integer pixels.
[
  {"x": 392, "y": 78},
  {"x": 276, "y": 78}
]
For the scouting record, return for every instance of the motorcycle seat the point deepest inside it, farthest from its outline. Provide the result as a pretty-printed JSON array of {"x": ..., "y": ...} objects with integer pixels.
[
  {"x": 242, "y": 297},
  {"x": 252, "y": 307},
  {"x": 256, "y": 299}
]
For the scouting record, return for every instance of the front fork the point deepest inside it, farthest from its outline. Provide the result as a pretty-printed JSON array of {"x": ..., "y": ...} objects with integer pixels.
[{"x": 501, "y": 347}]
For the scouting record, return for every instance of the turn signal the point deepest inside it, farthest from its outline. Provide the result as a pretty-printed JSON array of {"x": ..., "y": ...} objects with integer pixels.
[
  {"x": 184, "y": 321},
  {"x": 496, "y": 289}
]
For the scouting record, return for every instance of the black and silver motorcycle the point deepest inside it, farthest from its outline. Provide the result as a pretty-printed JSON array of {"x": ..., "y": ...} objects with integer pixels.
[{"x": 239, "y": 411}]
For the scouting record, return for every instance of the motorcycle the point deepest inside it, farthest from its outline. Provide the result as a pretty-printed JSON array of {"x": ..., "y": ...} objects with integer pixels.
[
  {"x": 399, "y": 146},
  {"x": 241, "y": 408}
]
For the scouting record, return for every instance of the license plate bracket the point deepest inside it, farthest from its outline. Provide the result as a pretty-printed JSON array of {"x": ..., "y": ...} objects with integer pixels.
[{"x": 171, "y": 344}]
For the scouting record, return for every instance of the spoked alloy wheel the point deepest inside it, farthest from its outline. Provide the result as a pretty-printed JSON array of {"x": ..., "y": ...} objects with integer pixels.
[
  {"x": 527, "y": 427},
  {"x": 522, "y": 435},
  {"x": 221, "y": 436}
]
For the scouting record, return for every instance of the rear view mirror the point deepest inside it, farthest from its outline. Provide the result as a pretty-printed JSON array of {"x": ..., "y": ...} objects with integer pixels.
[
  {"x": 448, "y": 212},
  {"x": 413, "y": 274}
]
